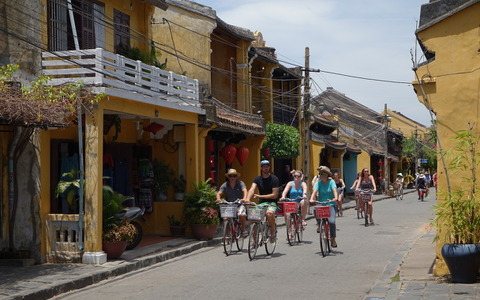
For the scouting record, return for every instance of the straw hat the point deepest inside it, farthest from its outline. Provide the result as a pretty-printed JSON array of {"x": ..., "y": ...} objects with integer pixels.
[
  {"x": 325, "y": 169},
  {"x": 232, "y": 172}
]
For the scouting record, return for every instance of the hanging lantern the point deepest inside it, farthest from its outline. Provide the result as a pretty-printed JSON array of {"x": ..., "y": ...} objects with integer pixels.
[
  {"x": 379, "y": 171},
  {"x": 266, "y": 153},
  {"x": 211, "y": 145},
  {"x": 212, "y": 176},
  {"x": 153, "y": 127},
  {"x": 242, "y": 154},
  {"x": 380, "y": 163},
  {"x": 228, "y": 153}
]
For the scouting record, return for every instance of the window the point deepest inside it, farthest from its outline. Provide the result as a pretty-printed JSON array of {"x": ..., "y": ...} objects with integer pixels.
[
  {"x": 85, "y": 28},
  {"x": 122, "y": 31}
]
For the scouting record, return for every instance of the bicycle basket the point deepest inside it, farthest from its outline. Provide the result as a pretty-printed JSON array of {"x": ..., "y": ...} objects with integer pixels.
[
  {"x": 322, "y": 212},
  {"x": 396, "y": 185},
  {"x": 288, "y": 207},
  {"x": 228, "y": 211},
  {"x": 255, "y": 213}
]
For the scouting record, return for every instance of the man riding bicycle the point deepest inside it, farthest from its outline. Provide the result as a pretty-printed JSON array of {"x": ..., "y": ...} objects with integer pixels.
[
  {"x": 232, "y": 190},
  {"x": 268, "y": 186}
]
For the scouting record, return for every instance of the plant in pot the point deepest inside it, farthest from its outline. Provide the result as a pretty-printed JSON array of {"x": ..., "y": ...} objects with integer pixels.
[
  {"x": 179, "y": 185},
  {"x": 201, "y": 210},
  {"x": 116, "y": 232},
  {"x": 177, "y": 227},
  {"x": 162, "y": 174},
  {"x": 457, "y": 216}
]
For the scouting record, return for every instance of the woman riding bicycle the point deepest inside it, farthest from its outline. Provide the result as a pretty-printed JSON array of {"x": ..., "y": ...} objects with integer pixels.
[
  {"x": 232, "y": 190},
  {"x": 340, "y": 189},
  {"x": 326, "y": 189},
  {"x": 297, "y": 190},
  {"x": 367, "y": 183}
]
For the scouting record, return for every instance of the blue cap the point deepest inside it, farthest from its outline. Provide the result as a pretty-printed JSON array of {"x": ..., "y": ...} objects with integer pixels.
[{"x": 264, "y": 162}]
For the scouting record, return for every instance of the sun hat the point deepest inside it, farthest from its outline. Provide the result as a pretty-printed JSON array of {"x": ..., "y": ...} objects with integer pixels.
[
  {"x": 400, "y": 174},
  {"x": 421, "y": 175},
  {"x": 325, "y": 169},
  {"x": 232, "y": 172},
  {"x": 264, "y": 162}
]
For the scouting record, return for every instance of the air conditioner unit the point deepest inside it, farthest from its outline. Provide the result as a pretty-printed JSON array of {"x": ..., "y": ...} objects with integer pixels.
[{"x": 179, "y": 134}]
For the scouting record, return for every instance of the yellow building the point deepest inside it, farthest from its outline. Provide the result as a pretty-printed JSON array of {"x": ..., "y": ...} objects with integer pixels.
[{"x": 446, "y": 82}]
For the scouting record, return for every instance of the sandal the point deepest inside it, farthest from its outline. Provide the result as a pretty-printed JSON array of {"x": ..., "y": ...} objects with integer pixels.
[{"x": 334, "y": 244}]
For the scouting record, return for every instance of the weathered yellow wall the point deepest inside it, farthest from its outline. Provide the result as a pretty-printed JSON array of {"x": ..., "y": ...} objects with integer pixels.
[
  {"x": 452, "y": 86},
  {"x": 315, "y": 150},
  {"x": 406, "y": 126},
  {"x": 363, "y": 161},
  {"x": 187, "y": 34}
]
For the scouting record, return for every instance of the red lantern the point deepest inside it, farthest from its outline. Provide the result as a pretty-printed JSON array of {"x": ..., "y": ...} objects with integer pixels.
[
  {"x": 242, "y": 154},
  {"x": 212, "y": 176},
  {"x": 266, "y": 153},
  {"x": 228, "y": 153},
  {"x": 211, "y": 145}
]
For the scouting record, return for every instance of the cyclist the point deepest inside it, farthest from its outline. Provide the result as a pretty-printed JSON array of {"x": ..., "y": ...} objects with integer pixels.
[
  {"x": 232, "y": 190},
  {"x": 268, "y": 186},
  {"x": 367, "y": 182},
  {"x": 340, "y": 189},
  {"x": 326, "y": 189},
  {"x": 422, "y": 184},
  {"x": 357, "y": 193},
  {"x": 298, "y": 190}
]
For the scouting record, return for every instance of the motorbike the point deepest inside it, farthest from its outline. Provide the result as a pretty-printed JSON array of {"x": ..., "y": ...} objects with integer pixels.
[{"x": 131, "y": 214}]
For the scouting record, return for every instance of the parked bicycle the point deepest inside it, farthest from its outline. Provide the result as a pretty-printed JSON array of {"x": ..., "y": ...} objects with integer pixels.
[
  {"x": 322, "y": 213},
  {"x": 232, "y": 232},
  {"x": 366, "y": 197},
  {"x": 259, "y": 230},
  {"x": 293, "y": 225}
]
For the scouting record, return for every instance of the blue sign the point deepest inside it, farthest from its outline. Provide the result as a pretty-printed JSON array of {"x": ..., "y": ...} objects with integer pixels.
[{"x": 423, "y": 160}]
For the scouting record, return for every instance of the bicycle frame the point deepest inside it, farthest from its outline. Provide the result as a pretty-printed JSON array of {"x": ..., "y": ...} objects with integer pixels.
[{"x": 259, "y": 236}]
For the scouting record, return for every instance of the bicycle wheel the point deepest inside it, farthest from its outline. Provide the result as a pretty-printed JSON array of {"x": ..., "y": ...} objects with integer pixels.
[
  {"x": 290, "y": 227},
  {"x": 323, "y": 248},
  {"x": 253, "y": 241},
  {"x": 239, "y": 239},
  {"x": 228, "y": 236},
  {"x": 269, "y": 246},
  {"x": 299, "y": 229},
  {"x": 401, "y": 194},
  {"x": 397, "y": 194},
  {"x": 365, "y": 212},
  {"x": 326, "y": 240},
  {"x": 359, "y": 210}
]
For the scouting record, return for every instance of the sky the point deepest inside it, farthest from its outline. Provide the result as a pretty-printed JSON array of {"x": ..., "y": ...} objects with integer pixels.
[{"x": 367, "y": 38}]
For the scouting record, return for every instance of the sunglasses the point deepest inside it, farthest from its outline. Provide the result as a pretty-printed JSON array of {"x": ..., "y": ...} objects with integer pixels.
[
  {"x": 365, "y": 171},
  {"x": 232, "y": 176},
  {"x": 297, "y": 176},
  {"x": 323, "y": 173}
]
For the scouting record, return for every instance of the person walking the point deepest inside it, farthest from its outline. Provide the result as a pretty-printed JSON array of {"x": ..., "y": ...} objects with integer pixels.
[
  {"x": 297, "y": 191},
  {"x": 268, "y": 186},
  {"x": 367, "y": 182},
  {"x": 234, "y": 189},
  {"x": 340, "y": 189},
  {"x": 325, "y": 189}
]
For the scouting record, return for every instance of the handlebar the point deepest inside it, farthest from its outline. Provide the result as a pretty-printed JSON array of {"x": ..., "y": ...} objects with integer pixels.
[
  {"x": 291, "y": 200},
  {"x": 365, "y": 192},
  {"x": 224, "y": 202},
  {"x": 323, "y": 202}
]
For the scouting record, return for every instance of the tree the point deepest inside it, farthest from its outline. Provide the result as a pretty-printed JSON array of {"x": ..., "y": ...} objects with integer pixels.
[
  {"x": 28, "y": 108},
  {"x": 283, "y": 141}
]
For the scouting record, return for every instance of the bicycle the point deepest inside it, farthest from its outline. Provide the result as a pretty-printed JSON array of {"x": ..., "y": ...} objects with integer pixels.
[
  {"x": 259, "y": 231},
  {"x": 365, "y": 197},
  {"x": 421, "y": 193},
  {"x": 337, "y": 207},
  {"x": 293, "y": 223},
  {"x": 322, "y": 213},
  {"x": 231, "y": 227},
  {"x": 359, "y": 207},
  {"x": 398, "y": 190}
]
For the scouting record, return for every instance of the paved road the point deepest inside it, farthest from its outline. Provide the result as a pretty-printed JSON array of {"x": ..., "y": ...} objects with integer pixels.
[{"x": 298, "y": 271}]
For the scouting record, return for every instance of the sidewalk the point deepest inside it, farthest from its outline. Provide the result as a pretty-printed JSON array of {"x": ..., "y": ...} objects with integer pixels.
[{"x": 406, "y": 276}]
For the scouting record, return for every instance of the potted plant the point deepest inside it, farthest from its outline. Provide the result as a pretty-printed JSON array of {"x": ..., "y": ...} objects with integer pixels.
[
  {"x": 179, "y": 185},
  {"x": 162, "y": 175},
  {"x": 457, "y": 216},
  {"x": 201, "y": 210},
  {"x": 116, "y": 233},
  {"x": 177, "y": 227}
]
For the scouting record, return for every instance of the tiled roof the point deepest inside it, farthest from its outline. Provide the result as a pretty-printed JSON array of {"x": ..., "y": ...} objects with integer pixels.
[
  {"x": 329, "y": 140},
  {"x": 238, "y": 32},
  {"x": 231, "y": 119}
]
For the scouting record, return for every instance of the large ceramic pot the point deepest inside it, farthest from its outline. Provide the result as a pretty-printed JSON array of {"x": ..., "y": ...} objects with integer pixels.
[
  {"x": 463, "y": 261},
  {"x": 114, "y": 249},
  {"x": 203, "y": 232}
]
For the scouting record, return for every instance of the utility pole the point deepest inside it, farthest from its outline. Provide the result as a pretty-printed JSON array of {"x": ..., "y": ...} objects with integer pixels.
[
  {"x": 306, "y": 116},
  {"x": 386, "y": 177}
]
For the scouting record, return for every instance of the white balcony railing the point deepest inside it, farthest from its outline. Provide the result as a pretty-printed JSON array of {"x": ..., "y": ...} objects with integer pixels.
[{"x": 102, "y": 68}]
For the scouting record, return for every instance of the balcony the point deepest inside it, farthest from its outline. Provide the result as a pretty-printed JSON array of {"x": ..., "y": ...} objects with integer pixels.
[{"x": 97, "y": 67}]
